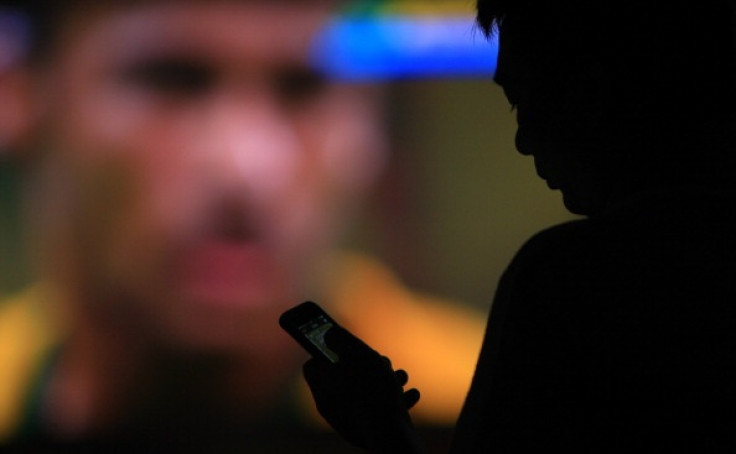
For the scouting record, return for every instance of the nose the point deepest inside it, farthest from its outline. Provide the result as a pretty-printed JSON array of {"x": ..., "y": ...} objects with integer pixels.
[{"x": 249, "y": 144}]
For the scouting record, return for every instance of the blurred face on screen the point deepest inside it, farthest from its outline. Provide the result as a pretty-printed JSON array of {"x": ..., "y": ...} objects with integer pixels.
[{"x": 195, "y": 166}]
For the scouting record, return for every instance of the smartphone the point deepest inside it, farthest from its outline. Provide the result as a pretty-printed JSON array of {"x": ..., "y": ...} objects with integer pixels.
[{"x": 308, "y": 323}]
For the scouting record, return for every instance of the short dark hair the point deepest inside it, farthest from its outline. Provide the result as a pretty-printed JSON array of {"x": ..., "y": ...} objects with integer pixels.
[
  {"x": 491, "y": 13},
  {"x": 659, "y": 45}
]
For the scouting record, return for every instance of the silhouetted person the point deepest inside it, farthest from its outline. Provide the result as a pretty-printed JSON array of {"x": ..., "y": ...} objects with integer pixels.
[{"x": 616, "y": 333}]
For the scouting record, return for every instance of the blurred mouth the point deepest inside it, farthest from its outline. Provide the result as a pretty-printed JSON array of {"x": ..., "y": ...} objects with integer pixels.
[{"x": 225, "y": 274}]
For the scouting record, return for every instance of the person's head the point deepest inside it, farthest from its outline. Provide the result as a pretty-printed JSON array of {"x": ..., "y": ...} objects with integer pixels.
[
  {"x": 187, "y": 165},
  {"x": 616, "y": 97}
]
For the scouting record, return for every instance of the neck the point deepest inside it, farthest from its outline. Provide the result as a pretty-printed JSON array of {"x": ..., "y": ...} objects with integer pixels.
[{"x": 707, "y": 167}]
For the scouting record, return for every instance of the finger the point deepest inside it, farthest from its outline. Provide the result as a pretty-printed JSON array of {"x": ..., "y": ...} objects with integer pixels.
[
  {"x": 411, "y": 397},
  {"x": 386, "y": 362},
  {"x": 401, "y": 376}
]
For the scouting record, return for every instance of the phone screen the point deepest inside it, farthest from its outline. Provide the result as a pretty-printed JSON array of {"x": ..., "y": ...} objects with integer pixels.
[{"x": 315, "y": 330}]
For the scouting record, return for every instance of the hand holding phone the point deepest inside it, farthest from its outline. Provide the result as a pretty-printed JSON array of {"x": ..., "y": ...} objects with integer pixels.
[{"x": 355, "y": 388}]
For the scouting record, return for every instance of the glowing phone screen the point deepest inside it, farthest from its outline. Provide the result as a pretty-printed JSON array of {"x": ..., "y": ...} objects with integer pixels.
[{"x": 315, "y": 330}]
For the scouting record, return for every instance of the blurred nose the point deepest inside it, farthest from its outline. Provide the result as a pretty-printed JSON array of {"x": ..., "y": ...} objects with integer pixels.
[{"x": 249, "y": 144}]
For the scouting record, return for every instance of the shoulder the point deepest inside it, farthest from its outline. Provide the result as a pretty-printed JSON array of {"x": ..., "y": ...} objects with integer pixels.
[
  {"x": 26, "y": 335},
  {"x": 558, "y": 238},
  {"x": 557, "y": 277},
  {"x": 556, "y": 250},
  {"x": 592, "y": 245}
]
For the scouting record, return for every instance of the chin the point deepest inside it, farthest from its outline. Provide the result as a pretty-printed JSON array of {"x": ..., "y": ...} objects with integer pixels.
[
  {"x": 217, "y": 326},
  {"x": 581, "y": 205},
  {"x": 221, "y": 338}
]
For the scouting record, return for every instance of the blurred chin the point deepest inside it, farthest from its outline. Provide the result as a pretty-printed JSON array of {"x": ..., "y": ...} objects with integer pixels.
[
  {"x": 210, "y": 322},
  {"x": 206, "y": 329}
]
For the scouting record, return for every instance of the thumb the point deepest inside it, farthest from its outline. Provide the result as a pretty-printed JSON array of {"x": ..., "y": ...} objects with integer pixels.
[{"x": 411, "y": 397}]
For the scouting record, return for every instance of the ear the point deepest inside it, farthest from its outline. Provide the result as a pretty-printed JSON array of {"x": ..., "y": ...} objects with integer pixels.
[{"x": 16, "y": 110}]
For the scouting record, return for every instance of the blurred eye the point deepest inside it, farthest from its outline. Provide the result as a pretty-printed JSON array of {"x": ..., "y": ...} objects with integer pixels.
[
  {"x": 171, "y": 76},
  {"x": 297, "y": 86}
]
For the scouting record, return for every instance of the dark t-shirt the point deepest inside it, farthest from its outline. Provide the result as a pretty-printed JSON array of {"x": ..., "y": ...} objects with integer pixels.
[{"x": 614, "y": 334}]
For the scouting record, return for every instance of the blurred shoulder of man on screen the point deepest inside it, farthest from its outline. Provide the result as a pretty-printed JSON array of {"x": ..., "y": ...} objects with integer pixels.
[{"x": 187, "y": 176}]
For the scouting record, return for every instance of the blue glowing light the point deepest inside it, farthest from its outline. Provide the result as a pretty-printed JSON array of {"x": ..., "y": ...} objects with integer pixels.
[{"x": 396, "y": 47}]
